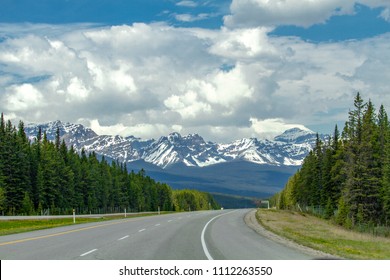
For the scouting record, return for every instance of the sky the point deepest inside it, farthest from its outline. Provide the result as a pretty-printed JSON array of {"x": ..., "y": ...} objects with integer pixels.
[{"x": 223, "y": 69}]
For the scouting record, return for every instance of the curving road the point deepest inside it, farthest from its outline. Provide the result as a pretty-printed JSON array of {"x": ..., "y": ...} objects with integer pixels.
[{"x": 183, "y": 236}]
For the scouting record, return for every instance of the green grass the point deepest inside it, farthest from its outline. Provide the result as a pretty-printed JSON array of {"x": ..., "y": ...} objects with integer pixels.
[
  {"x": 19, "y": 226},
  {"x": 322, "y": 235}
]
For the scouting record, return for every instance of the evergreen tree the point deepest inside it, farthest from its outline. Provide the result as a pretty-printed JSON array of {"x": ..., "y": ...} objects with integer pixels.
[
  {"x": 45, "y": 176},
  {"x": 349, "y": 176},
  {"x": 386, "y": 173},
  {"x": 27, "y": 205},
  {"x": 354, "y": 185},
  {"x": 369, "y": 208},
  {"x": 2, "y": 199}
]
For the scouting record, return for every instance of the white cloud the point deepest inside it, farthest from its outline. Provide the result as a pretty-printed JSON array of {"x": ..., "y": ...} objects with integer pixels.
[
  {"x": 116, "y": 129},
  {"x": 269, "y": 128},
  {"x": 187, "y": 105},
  {"x": 242, "y": 43},
  {"x": 304, "y": 13},
  {"x": 141, "y": 130},
  {"x": 149, "y": 80},
  {"x": 187, "y": 3},
  {"x": 190, "y": 17},
  {"x": 76, "y": 90},
  {"x": 226, "y": 89},
  {"x": 385, "y": 14},
  {"x": 252, "y": 13},
  {"x": 23, "y": 97}
]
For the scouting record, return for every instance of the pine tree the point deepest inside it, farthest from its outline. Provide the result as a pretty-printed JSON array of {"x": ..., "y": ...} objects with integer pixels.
[
  {"x": 44, "y": 175},
  {"x": 74, "y": 163},
  {"x": 35, "y": 159},
  {"x": 353, "y": 171},
  {"x": 58, "y": 139},
  {"x": 27, "y": 205},
  {"x": 2, "y": 199},
  {"x": 15, "y": 167},
  {"x": 355, "y": 166},
  {"x": 104, "y": 182},
  {"x": 3, "y": 204},
  {"x": 342, "y": 212},
  {"x": 329, "y": 209},
  {"x": 372, "y": 172},
  {"x": 386, "y": 173},
  {"x": 335, "y": 177}
]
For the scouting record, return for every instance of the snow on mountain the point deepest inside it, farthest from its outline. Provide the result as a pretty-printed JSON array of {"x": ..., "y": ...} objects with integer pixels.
[
  {"x": 77, "y": 131},
  {"x": 287, "y": 149},
  {"x": 295, "y": 135},
  {"x": 191, "y": 150}
]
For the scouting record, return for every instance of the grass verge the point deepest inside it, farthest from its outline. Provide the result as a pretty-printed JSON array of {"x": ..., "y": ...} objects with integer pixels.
[
  {"x": 19, "y": 226},
  {"x": 324, "y": 236}
]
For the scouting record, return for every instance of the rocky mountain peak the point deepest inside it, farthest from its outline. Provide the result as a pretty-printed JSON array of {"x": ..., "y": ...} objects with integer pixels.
[
  {"x": 295, "y": 135},
  {"x": 287, "y": 149}
]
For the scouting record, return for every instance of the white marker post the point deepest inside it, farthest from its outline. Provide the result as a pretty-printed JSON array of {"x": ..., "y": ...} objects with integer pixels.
[
  {"x": 125, "y": 213},
  {"x": 74, "y": 216},
  {"x": 265, "y": 201}
]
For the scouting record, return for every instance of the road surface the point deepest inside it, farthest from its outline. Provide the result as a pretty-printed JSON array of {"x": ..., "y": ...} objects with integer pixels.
[{"x": 218, "y": 235}]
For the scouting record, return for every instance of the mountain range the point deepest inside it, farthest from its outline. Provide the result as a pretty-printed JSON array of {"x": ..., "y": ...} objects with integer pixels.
[
  {"x": 287, "y": 149},
  {"x": 245, "y": 167}
]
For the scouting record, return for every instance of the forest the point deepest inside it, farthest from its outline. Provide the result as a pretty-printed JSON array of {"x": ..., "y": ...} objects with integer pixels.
[
  {"x": 47, "y": 177},
  {"x": 347, "y": 177}
]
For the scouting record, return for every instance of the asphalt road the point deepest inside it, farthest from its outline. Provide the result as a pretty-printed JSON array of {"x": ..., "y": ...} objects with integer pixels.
[{"x": 184, "y": 236}]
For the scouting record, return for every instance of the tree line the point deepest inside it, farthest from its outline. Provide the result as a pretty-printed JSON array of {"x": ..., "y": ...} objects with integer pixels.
[
  {"x": 346, "y": 178},
  {"x": 42, "y": 177}
]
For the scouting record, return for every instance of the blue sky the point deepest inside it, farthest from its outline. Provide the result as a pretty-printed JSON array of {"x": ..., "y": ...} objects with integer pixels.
[
  {"x": 114, "y": 12},
  {"x": 224, "y": 69},
  {"x": 364, "y": 22}
]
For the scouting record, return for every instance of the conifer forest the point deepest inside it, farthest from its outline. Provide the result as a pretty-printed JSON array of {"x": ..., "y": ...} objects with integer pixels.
[
  {"x": 347, "y": 177},
  {"x": 46, "y": 177}
]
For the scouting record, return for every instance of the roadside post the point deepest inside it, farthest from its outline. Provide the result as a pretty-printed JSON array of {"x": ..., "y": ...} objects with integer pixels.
[{"x": 74, "y": 216}]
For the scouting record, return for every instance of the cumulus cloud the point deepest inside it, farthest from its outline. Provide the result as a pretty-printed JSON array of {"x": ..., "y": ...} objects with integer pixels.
[
  {"x": 23, "y": 97},
  {"x": 141, "y": 130},
  {"x": 151, "y": 79},
  {"x": 243, "y": 43},
  {"x": 269, "y": 128}
]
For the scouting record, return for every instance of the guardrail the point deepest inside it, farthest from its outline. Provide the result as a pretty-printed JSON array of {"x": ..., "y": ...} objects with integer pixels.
[{"x": 97, "y": 216}]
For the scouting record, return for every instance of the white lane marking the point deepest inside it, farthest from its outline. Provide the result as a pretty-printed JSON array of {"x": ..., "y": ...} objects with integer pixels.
[
  {"x": 87, "y": 253},
  {"x": 124, "y": 237},
  {"x": 141, "y": 230},
  {"x": 205, "y": 250},
  {"x": 156, "y": 225},
  {"x": 169, "y": 221}
]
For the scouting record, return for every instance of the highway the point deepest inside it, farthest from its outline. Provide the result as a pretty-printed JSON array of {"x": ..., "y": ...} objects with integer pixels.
[{"x": 202, "y": 235}]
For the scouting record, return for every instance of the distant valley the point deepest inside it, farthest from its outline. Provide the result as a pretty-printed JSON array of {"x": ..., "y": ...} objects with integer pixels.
[{"x": 235, "y": 172}]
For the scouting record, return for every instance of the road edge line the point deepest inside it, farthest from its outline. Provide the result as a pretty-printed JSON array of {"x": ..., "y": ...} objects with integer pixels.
[{"x": 204, "y": 246}]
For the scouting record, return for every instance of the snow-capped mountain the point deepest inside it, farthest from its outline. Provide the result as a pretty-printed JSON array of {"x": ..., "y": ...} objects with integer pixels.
[
  {"x": 287, "y": 149},
  {"x": 297, "y": 136}
]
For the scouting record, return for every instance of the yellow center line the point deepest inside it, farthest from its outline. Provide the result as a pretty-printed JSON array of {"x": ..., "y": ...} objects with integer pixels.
[{"x": 60, "y": 233}]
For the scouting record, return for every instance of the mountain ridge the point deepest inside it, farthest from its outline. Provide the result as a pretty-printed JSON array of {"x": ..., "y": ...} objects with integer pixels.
[{"x": 287, "y": 149}]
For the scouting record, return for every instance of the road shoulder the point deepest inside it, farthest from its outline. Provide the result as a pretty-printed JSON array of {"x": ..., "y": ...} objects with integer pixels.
[{"x": 251, "y": 221}]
